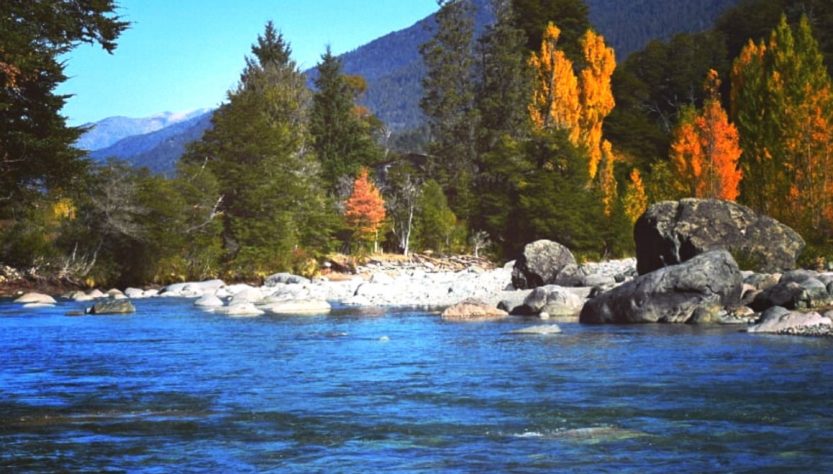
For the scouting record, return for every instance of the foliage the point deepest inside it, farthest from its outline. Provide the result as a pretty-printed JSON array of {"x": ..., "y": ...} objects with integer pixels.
[
  {"x": 437, "y": 225},
  {"x": 783, "y": 106},
  {"x": 258, "y": 151},
  {"x": 36, "y": 153},
  {"x": 341, "y": 131},
  {"x": 635, "y": 200},
  {"x": 365, "y": 209},
  {"x": 534, "y": 16},
  {"x": 449, "y": 103},
  {"x": 705, "y": 151}
]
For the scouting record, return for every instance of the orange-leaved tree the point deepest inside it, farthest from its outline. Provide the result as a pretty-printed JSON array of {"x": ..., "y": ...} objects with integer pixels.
[
  {"x": 596, "y": 95},
  {"x": 706, "y": 149},
  {"x": 555, "y": 98},
  {"x": 365, "y": 209}
]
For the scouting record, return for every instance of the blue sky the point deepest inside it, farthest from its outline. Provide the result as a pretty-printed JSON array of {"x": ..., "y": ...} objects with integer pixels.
[{"x": 181, "y": 55}]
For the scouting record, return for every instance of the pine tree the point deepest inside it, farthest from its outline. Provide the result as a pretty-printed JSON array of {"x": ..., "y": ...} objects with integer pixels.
[
  {"x": 533, "y": 16},
  {"x": 258, "y": 148},
  {"x": 36, "y": 145},
  {"x": 341, "y": 131},
  {"x": 449, "y": 103}
]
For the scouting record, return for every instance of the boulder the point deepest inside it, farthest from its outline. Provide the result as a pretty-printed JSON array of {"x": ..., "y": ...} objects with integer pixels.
[
  {"x": 96, "y": 293},
  {"x": 708, "y": 282},
  {"x": 671, "y": 232},
  {"x": 762, "y": 281},
  {"x": 134, "y": 293},
  {"x": 208, "y": 301},
  {"x": 37, "y": 305},
  {"x": 113, "y": 306},
  {"x": 781, "y": 320},
  {"x": 551, "y": 299},
  {"x": 540, "y": 264},
  {"x": 246, "y": 295},
  {"x": 541, "y": 330},
  {"x": 239, "y": 310},
  {"x": 35, "y": 298},
  {"x": 285, "y": 279},
  {"x": 473, "y": 310},
  {"x": 810, "y": 293},
  {"x": 80, "y": 296},
  {"x": 299, "y": 307}
]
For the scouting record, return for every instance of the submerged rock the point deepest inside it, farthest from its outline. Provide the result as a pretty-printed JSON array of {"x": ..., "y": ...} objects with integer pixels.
[
  {"x": 540, "y": 264},
  {"x": 473, "y": 310},
  {"x": 208, "y": 301},
  {"x": 542, "y": 330},
  {"x": 710, "y": 281},
  {"x": 299, "y": 307},
  {"x": 671, "y": 232}
]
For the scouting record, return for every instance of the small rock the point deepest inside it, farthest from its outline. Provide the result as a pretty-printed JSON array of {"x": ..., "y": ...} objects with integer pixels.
[
  {"x": 113, "y": 307},
  {"x": 37, "y": 305},
  {"x": 473, "y": 310},
  {"x": 285, "y": 279}
]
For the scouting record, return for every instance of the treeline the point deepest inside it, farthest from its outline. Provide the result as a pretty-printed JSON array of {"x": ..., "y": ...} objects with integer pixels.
[{"x": 531, "y": 130}]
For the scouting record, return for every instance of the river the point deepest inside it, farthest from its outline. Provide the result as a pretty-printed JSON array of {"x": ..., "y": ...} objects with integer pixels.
[{"x": 172, "y": 388}]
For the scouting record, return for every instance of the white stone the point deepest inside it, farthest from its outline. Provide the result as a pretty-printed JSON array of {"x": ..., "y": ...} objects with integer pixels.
[
  {"x": 299, "y": 307},
  {"x": 208, "y": 301},
  {"x": 239, "y": 310},
  {"x": 36, "y": 298}
]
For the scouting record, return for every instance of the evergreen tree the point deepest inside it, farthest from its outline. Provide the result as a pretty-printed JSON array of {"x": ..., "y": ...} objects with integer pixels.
[
  {"x": 36, "y": 152},
  {"x": 533, "y": 16},
  {"x": 258, "y": 146},
  {"x": 449, "y": 103},
  {"x": 436, "y": 222},
  {"x": 341, "y": 131}
]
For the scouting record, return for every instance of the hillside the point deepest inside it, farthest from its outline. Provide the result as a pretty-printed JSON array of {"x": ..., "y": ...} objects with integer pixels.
[
  {"x": 158, "y": 150},
  {"x": 107, "y": 132}
]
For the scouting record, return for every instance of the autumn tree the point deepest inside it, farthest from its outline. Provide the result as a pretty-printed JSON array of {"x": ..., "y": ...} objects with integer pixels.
[
  {"x": 706, "y": 149},
  {"x": 365, "y": 209},
  {"x": 555, "y": 97},
  {"x": 596, "y": 99},
  {"x": 635, "y": 199},
  {"x": 783, "y": 107}
]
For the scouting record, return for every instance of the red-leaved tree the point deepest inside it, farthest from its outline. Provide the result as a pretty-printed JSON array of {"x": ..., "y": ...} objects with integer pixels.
[{"x": 365, "y": 209}]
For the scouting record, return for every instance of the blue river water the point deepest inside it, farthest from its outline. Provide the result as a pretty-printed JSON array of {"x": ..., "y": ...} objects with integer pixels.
[{"x": 174, "y": 389}]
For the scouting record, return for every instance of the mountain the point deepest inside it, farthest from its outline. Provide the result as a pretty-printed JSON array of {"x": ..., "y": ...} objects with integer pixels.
[
  {"x": 107, "y": 132},
  {"x": 393, "y": 69},
  {"x": 159, "y": 150}
]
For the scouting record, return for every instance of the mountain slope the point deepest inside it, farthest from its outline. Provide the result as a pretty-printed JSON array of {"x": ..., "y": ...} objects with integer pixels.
[
  {"x": 160, "y": 150},
  {"x": 107, "y": 132}
]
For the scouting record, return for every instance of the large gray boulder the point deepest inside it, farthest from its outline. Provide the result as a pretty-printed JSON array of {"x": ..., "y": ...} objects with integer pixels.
[
  {"x": 113, "y": 306},
  {"x": 675, "y": 294},
  {"x": 540, "y": 264},
  {"x": 671, "y": 232}
]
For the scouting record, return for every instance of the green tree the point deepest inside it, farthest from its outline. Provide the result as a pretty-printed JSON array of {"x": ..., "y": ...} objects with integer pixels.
[
  {"x": 258, "y": 149},
  {"x": 533, "y": 16},
  {"x": 437, "y": 224},
  {"x": 341, "y": 131},
  {"x": 449, "y": 103},
  {"x": 36, "y": 152}
]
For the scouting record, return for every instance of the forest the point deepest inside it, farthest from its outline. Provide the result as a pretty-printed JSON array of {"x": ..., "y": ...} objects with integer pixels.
[{"x": 533, "y": 131}]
